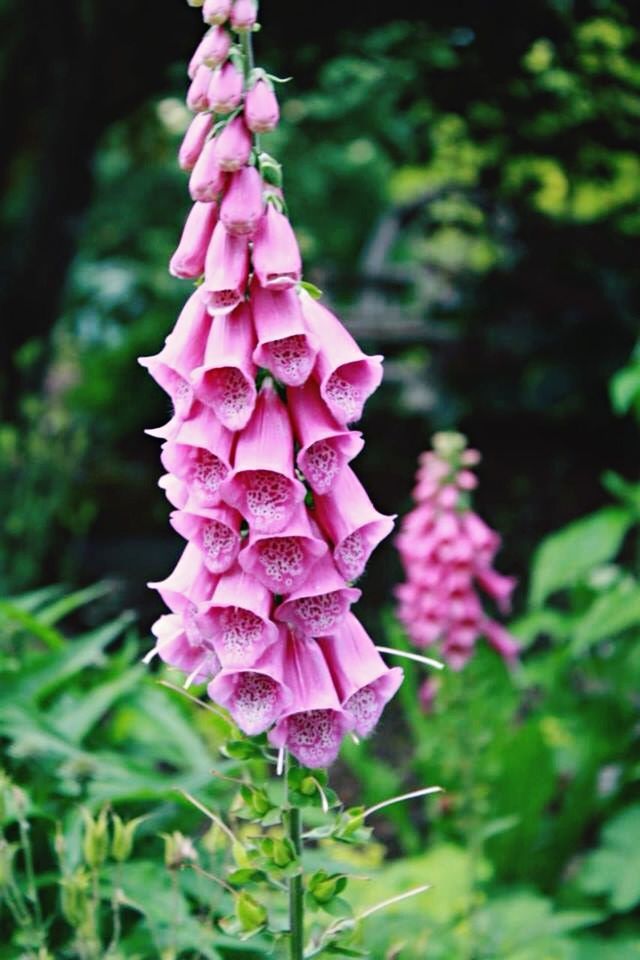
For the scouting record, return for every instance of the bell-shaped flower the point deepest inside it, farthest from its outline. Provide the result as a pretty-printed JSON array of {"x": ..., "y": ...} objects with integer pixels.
[
  {"x": 226, "y": 270},
  {"x": 194, "y": 140},
  {"x": 313, "y": 724},
  {"x": 207, "y": 179},
  {"x": 364, "y": 682},
  {"x": 212, "y": 50},
  {"x": 233, "y": 146},
  {"x": 276, "y": 255},
  {"x": 346, "y": 375},
  {"x": 188, "y": 261},
  {"x": 497, "y": 585},
  {"x": 179, "y": 650},
  {"x": 283, "y": 561},
  {"x": 255, "y": 695},
  {"x": 352, "y": 523},
  {"x": 226, "y": 379},
  {"x": 321, "y": 603},
  {"x": 263, "y": 486},
  {"x": 501, "y": 640},
  {"x": 238, "y": 619},
  {"x": 199, "y": 454},
  {"x": 198, "y": 92},
  {"x": 285, "y": 347},
  {"x": 325, "y": 446},
  {"x": 216, "y": 11},
  {"x": 216, "y": 533},
  {"x": 189, "y": 584},
  {"x": 226, "y": 88},
  {"x": 243, "y": 203},
  {"x": 176, "y": 491},
  {"x": 244, "y": 14},
  {"x": 183, "y": 350},
  {"x": 261, "y": 111}
]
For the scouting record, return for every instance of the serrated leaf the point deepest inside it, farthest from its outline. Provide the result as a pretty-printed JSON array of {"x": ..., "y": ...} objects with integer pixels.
[{"x": 566, "y": 556}]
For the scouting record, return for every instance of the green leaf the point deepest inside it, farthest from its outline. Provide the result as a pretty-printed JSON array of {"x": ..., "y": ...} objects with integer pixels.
[
  {"x": 564, "y": 557},
  {"x": 65, "y": 605},
  {"x": 15, "y": 614},
  {"x": 614, "y": 869},
  {"x": 311, "y": 289},
  {"x": 608, "y": 615},
  {"x": 625, "y": 388}
]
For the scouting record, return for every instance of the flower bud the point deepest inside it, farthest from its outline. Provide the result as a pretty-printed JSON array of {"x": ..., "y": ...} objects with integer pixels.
[
  {"x": 74, "y": 897},
  {"x": 207, "y": 179},
  {"x": 261, "y": 111},
  {"x": 324, "y": 887},
  {"x": 233, "y": 146},
  {"x": 178, "y": 850},
  {"x": 194, "y": 140},
  {"x": 225, "y": 88},
  {"x": 215, "y": 11},
  {"x": 194, "y": 3},
  {"x": 197, "y": 99},
  {"x": 123, "y": 833},
  {"x": 95, "y": 844},
  {"x": 214, "y": 47},
  {"x": 282, "y": 853},
  {"x": 243, "y": 204},
  {"x": 244, "y": 15},
  {"x": 251, "y": 914}
]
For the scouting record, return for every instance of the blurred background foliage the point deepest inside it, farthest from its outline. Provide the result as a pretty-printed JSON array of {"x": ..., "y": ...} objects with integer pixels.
[{"x": 466, "y": 186}]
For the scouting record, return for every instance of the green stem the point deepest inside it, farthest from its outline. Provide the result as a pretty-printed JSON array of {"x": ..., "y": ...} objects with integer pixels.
[
  {"x": 296, "y": 904},
  {"x": 32, "y": 889}
]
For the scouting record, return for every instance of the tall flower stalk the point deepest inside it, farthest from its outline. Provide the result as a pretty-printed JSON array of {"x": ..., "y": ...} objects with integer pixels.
[{"x": 266, "y": 384}]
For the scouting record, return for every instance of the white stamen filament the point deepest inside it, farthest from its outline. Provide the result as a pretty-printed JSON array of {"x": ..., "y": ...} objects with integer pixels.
[
  {"x": 280, "y": 763},
  {"x": 402, "y": 796},
  {"x": 412, "y": 656},
  {"x": 194, "y": 673}
]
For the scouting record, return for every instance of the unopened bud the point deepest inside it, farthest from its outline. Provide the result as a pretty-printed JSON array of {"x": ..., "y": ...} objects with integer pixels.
[
  {"x": 283, "y": 853},
  {"x": 123, "y": 834},
  {"x": 244, "y": 14},
  {"x": 215, "y": 11},
  {"x": 178, "y": 850},
  {"x": 261, "y": 110},
  {"x": 95, "y": 844},
  {"x": 324, "y": 887},
  {"x": 74, "y": 897},
  {"x": 249, "y": 912}
]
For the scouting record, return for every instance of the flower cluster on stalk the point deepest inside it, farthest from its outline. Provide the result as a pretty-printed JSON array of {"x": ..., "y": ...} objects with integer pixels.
[
  {"x": 265, "y": 384},
  {"x": 447, "y": 551}
]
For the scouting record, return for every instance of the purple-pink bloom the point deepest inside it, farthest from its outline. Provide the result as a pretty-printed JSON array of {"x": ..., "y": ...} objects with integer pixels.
[
  {"x": 346, "y": 375},
  {"x": 352, "y": 523},
  {"x": 255, "y": 696},
  {"x": 285, "y": 347},
  {"x": 226, "y": 379},
  {"x": 215, "y": 531},
  {"x": 244, "y": 14},
  {"x": 207, "y": 179},
  {"x": 276, "y": 255},
  {"x": 183, "y": 650},
  {"x": 188, "y": 261},
  {"x": 283, "y": 561},
  {"x": 198, "y": 93},
  {"x": 233, "y": 146},
  {"x": 321, "y": 603},
  {"x": 226, "y": 270},
  {"x": 263, "y": 486},
  {"x": 225, "y": 89},
  {"x": 364, "y": 682},
  {"x": 238, "y": 619},
  {"x": 313, "y": 724},
  {"x": 199, "y": 454},
  {"x": 216, "y": 11},
  {"x": 325, "y": 446}
]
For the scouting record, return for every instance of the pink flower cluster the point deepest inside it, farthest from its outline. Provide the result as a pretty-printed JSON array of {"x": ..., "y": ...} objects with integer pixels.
[
  {"x": 446, "y": 552},
  {"x": 265, "y": 383}
]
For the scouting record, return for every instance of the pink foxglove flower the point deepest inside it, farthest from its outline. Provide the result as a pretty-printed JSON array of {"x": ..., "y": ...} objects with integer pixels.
[
  {"x": 207, "y": 179},
  {"x": 447, "y": 551},
  {"x": 352, "y": 523},
  {"x": 226, "y": 270},
  {"x": 226, "y": 379},
  {"x": 255, "y": 696},
  {"x": 238, "y": 619},
  {"x": 261, "y": 111},
  {"x": 321, "y": 603},
  {"x": 198, "y": 93},
  {"x": 276, "y": 255},
  {"x": 244, "y": 14},
  {"x": 183, "y": 350},
  {"x": 188, "y": 261},
  {"x": 216, "y": 11},
  {"x": 283, "y": 561},
  {"x": 314, "y": 723},
  {"x": 263, "y": 486},
  {"x": 347, "y": 376},
  {"x": 215, "y": 531},
  {"x": 363, "y": 680},
  {"x": 285, "y": 347},
  {"x": 194, "y": 140},
  {"x": 276, "y": 522},
  {"x": 226, "y": 88},
  {"x": 233, "y": 146},
  {"x": 243, "y": 203},
  {"x": 325, "y": 446}
]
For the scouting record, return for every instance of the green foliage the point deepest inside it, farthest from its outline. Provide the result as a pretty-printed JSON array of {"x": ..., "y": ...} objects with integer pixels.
[{"x": 614, "y": 869}]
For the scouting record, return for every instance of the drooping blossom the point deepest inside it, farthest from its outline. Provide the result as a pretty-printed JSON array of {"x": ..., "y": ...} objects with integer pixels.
[
  {"x": 265, "y": 383},
  {"x": 447, "y": 553}
]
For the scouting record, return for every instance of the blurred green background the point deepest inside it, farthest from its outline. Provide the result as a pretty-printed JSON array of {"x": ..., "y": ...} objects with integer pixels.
[{"x": 465, "y": 182}]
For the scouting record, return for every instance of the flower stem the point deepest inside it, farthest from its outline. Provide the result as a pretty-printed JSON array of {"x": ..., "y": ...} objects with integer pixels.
[{"x": 296, "y": 904}]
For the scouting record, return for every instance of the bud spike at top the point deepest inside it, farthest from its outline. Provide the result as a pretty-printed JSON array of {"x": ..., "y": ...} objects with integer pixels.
[
  {"x": 265, "y": 383},
  {"x": 447, "y": 551}
]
